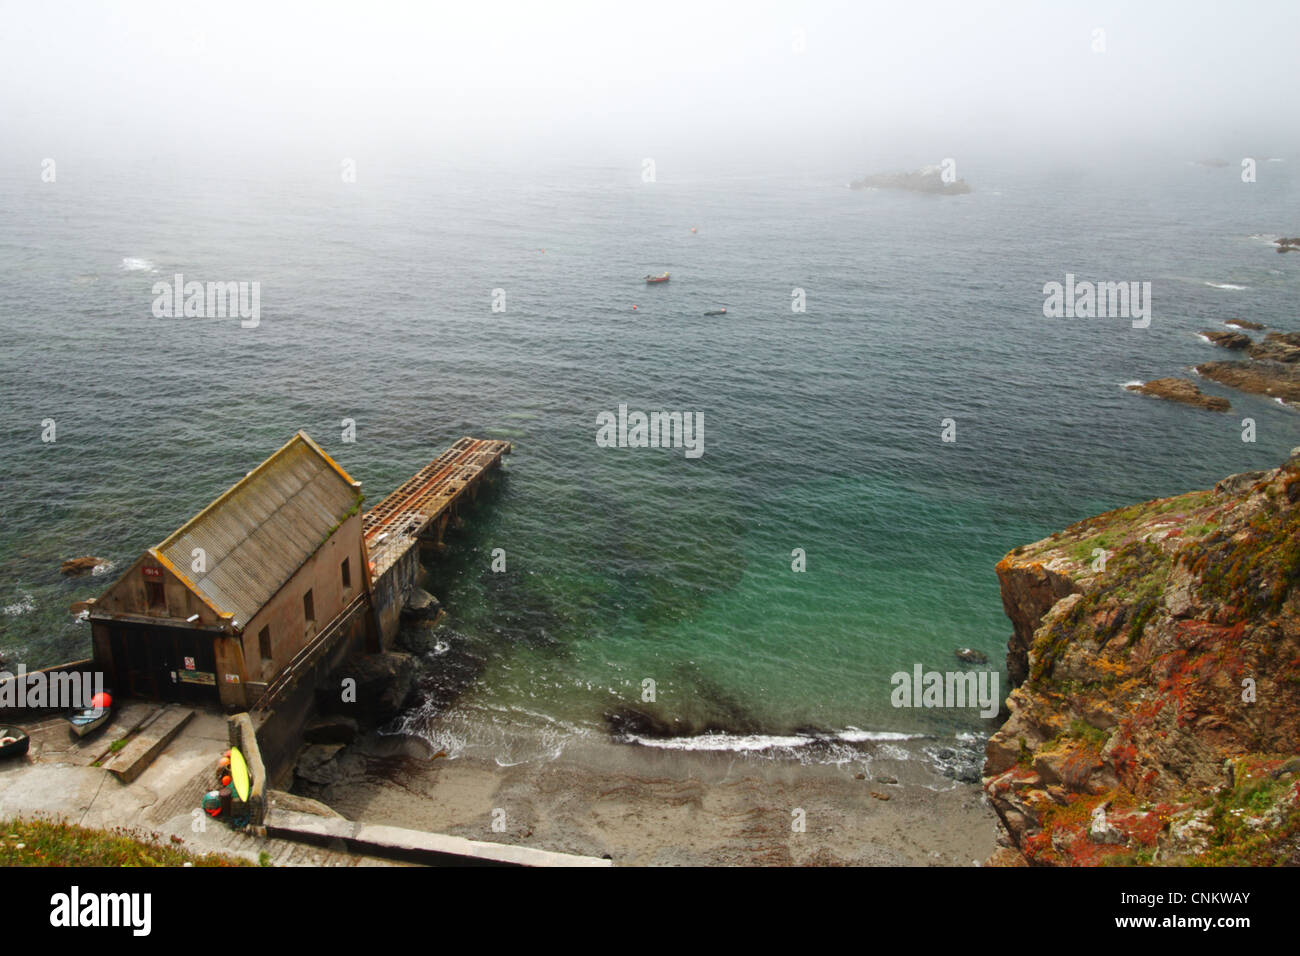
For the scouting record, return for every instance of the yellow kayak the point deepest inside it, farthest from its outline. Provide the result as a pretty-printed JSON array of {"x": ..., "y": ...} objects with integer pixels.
[{"x": 239, "y": 773}]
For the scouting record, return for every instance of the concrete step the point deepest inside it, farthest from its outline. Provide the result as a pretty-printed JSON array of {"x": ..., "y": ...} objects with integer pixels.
[
  {"x": 412, "y": 846},
  {"x": 151, "y": 740},
  {"x": 88, "y": 750}
]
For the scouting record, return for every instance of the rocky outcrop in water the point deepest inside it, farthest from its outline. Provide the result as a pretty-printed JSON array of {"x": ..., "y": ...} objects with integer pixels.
[
  {"x": 929, "y": 180},
  {"x": 75, "y": 567},
  {"x": 1286, "y": 245},
  {"x": 1181, "y": 390},
  {"x": 1277, "y": 347},
  {"x": 1156, "y": 664},
  {"x": 1275, "y": 379},
  {"x": 1227, "y": 340}
]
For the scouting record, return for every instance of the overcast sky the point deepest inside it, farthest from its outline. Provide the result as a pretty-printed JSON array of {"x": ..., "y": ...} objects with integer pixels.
[{"x": 488, "y": 79}]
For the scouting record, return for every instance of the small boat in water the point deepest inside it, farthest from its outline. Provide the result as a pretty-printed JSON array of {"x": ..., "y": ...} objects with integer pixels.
[
  {"x": 655, "y": 280},
  {"x": 716, "y": 312},
  {"x": 13, "y": 741},
  {"x": 93, "y": 717}
]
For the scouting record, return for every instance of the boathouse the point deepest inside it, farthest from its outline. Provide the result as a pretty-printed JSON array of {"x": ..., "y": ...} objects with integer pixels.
[{"x": 223, "y": 606}]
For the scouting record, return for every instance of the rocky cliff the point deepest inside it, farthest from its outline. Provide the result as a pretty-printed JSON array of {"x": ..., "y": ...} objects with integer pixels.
[{"x": 1156, "y": 665}]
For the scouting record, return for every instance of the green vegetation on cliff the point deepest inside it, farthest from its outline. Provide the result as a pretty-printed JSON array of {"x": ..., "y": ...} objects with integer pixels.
[
  {"x": 1158, "y": 720},
  {"x": 45, "y": 843}
]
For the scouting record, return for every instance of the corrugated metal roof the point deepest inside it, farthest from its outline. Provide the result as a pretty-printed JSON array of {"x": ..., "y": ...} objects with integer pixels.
[{"x": 259, "y": 533}]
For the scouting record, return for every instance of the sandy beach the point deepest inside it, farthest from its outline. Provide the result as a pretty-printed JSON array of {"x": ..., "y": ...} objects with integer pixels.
[{"x": 643, "y": 806}]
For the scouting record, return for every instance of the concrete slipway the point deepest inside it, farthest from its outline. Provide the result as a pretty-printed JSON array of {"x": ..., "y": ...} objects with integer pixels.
[{"x": 59, "y": 780}]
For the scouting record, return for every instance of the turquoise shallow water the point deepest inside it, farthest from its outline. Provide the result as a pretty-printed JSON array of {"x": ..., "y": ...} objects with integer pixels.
[{"x": 822, "y": 429}]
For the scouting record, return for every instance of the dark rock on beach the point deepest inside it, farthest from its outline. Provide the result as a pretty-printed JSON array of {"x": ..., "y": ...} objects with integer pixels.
[
  {"x": 321, "y": 765},
  {"x": 1181, "y": 390}
]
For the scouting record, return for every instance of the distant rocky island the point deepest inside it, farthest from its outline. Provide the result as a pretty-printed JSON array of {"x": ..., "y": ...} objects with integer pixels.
[
  {"x": 927, "y": 179},
  {"x": 1156, "y": 666}
]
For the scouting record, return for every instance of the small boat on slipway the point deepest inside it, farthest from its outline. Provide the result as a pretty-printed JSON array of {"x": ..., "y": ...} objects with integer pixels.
[
  {"x": 655, "y": 280},
  {"x": 93, "y": 717}
]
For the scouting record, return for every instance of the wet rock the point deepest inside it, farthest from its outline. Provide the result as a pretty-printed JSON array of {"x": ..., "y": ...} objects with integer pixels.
[
  {"x": 1245, "y": 324},
  {"x": 1276, "y": 379},
  {"x": 1228, "y": 340},
  {"x": 75, "y": 567},
  {"x": 1181, "y": 390},
  {"x": 1286, "y": 245},
  {"x": 1277, "y": 347},
  {"x": 971, "y": 656},
  {"x": 420, "y": 606}
]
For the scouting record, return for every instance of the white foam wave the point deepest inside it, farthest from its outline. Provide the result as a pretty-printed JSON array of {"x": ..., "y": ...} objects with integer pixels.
[
  {"x": 133, "y": 264},
  {"x": 721, "y": 742},
  {"x": 1225, "y": 285},
  {"x": 748, "y": 743},
  {"x": 26, "y": 605}
]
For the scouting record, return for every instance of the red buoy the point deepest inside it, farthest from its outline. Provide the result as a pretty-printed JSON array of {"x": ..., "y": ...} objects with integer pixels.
[{"x": 101, "y": 701}]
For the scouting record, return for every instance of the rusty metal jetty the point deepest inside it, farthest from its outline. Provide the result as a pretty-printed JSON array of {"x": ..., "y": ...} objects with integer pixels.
[{"x": 422, "y": 505}]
